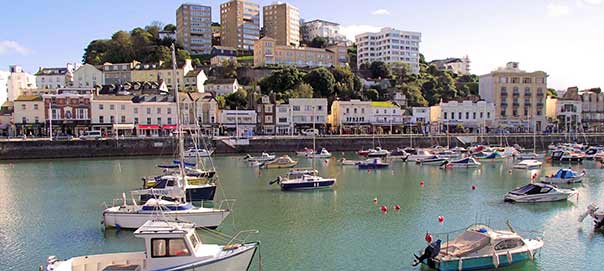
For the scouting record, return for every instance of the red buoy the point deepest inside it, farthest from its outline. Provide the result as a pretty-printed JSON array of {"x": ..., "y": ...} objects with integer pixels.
[
  {"x": 384, "y": 209},
  {"x": 428, "y": 237},
  {"x": 441, "y": 219},
  {"x": 421, "y": 184},
  {"x": 397, "y": 207},
  {"x": 473, "y": 187}
]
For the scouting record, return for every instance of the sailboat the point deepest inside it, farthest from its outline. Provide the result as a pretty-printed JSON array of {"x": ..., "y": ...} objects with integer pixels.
[{"x": 132, "y": 215}]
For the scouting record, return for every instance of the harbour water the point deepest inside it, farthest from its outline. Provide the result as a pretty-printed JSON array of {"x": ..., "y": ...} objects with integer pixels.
[{"x": 53, "y": 207}]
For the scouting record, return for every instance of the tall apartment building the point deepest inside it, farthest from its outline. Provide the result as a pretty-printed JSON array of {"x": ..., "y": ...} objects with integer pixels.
[
  {"x": 194, "y": 28},
  {"x": 240, "y": 24},
  {"x": 321, "y": 28},
  {"x": 519, "y": 96},
  {"x": 282, "y": 23},
  {"x": 389, "y": 46}
]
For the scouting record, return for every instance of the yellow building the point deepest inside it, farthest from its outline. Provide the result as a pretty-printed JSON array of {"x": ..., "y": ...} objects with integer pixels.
[
  {"x": 153, "y": 73},
  {"x": 266, "y": 52},
  {"x": 240, "y": 24},
  {"x": 282, "y": 22},
  {"x": 519, "y": 97}
]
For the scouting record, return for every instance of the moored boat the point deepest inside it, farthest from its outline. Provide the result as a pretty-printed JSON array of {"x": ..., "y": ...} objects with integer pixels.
[
  {"x": 377, "y": 152},
  {"x": 347, "y": 162},
  {"x": 539, "y": 192},
  {"x": 280, "y": 162},
  {"x": 168, "y": 246},
  {"x": 372, "y": 163},
  {"x": 566, "y": 156},
  {"x": 323, "y": 153},
  {"x": 419, "y": 155},
  {"x": 528, "y": 164},
  {"x": 564, "y": 176},
  {"x": 490, "y": 156},
  {"x": 304, "y": 152},
  {"x": 598, "y": 215},
  {"x": 303, "y": 179},
  {"x": 262, "y": 158},
  {"x": 434, "y": 160},
  {"x": 468, "y": 162},
  {"x": 196, "y": 152},
  {"x": 480, "y": 247}
]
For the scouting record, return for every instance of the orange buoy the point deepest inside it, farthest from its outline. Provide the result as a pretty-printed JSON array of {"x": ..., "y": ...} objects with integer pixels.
[
  {"x": 384, "y": 209},
  {"x": 259, "y": 172},
  {"x": 441, "y": 219}
]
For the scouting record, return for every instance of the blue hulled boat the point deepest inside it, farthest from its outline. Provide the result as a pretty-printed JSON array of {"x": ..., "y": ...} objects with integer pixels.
[
  {"x": 373, "y": 163},
  {"x": 303, "y": 179}
]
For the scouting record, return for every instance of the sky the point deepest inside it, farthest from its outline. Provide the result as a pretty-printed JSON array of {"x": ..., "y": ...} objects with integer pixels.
[{"x": 564, "y": 38}]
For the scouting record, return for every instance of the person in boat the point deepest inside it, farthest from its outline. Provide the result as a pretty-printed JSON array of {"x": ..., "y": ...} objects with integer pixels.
[{"x": 430, "y": 252}]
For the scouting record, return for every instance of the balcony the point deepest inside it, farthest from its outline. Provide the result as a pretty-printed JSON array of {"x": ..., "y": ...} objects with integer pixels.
[
  {"x": 540, "y": 94},
  {"x": 515, "y": 104},
  {"x": 504, "y": 104},
  {"x": 516, "y": 93},
  {"x": 528, "y": 93},
  {"x": 504, "y": 94},
  {"x": 539, "y": 104},
  {"x": 527, "y": 103}
]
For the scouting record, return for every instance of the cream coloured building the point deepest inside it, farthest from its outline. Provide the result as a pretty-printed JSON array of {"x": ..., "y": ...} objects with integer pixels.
[
  {"x": 519, "y": 97},
  {"x": 87, "y": 76},
  {"x": 18, "y": 81},
  {"x": 152, "y": 72},
  {"x": 389, "y": 45},
  {"x": 266, "y": 52},
  {"x": 29, "y": 115},
  {"x": 325, "y": 29},
  {"x": 240, "y": 24},
  {"x": 282, "y": 23},
  {"x": 472, "y": 116}
]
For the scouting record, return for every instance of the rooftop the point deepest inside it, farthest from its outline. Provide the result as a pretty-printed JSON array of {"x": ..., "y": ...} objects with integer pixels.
[
  {"x": 221, "y": 81},
  {"x": 28, "y": 98},
  {"x": 52, "y": 71},
  {"x": 382, "y": 104}
]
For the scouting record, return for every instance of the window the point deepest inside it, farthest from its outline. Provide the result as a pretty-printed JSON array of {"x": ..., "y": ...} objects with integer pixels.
[
  {"x": 123, "y": 107},
  {"x": 101, "y": 119},
  {"x": 459, "y": 115},
  {"x": 135, "y": 120},
  {"x": 159, "y": 110},
  {"x": 123, "y": 119},
  {"x": 169, "y": 110},
  {"x": 24, "y": 120},
  {"x": 35, "y": 107},
  {"x": 474, "y": 115},
  {"x": 112, "y": 119},
  {"x": 148, "y": 121},
  {"x": 135, "y": 110},
  {"x": 23, "y": 107},
  {"x": 111, "y": 107},
  {"x": 169, "y": 248},
  {"x": 169, "y": 120},
  {"x": 489, "y": 114},
  {"x": 468, "y": 115},
  {"x": 148, "y": 111},
  {"x": 296, "y": 108},
  {"x": 36, "y": 119},
  {"x": 445, "y": 115},
  {"x": 100, "y": 107},
  {"x": 159, "y": 121}
]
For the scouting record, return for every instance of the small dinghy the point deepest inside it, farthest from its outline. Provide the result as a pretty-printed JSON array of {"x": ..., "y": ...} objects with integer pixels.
[
  {"x": 539, "y": 192},
  {"x": 528, "y": 164},
  {"x": 323, "y": 153},
  {"x": 564, "y": 176},
  {"x": 480, "y": 247}
]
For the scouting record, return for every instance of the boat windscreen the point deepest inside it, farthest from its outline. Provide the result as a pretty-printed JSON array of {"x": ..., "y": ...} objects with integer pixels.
[{"x": 525, "y": 189}]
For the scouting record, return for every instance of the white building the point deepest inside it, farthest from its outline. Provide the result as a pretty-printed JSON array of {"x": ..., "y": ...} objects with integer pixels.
[
  {"x": 389, "y": 46},
  {"x": 222, "y": 86},
  {"x": 195, "y": 80},
  {"x": 87, "y": 76},
  {"x": 18, "y": 81},
  {"x": 4, "y": 86},
  {"x": 325, "y": 29},
  {"x": 52, "y": 78},
  {"x": 29, "y": 115},
  {"x": 459, "y": 66},
  {"x": 352, "y": 116},
  {"x": 473, "y": 116},
  {"x": 239, "y": 122},
  {"x": 283, "y": 119}
]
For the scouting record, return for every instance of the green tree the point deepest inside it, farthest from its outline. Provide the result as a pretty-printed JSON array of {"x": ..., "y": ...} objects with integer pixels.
[
  {"x": 552, "y": 93},
  {"x": 170, "y": 28},
  {"x": 221, "y": 102},
  {"x": 319, "y": 42},
  {"x": 95, "y": 52},
  {"x": 414, "y": 94},
  {"x": 237, "y": 100},
  {"x": 302, "y": 90},
  {"x": 372, "y": 94},
  {"x": 322, "y": 82},
  {"x": 281, "y": 80},
  {"x": 379, "y": 69}
]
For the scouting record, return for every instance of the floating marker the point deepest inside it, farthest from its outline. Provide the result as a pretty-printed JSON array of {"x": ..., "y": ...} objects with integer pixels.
[
  {"x": 428, "y": 237},
  {"x": 397, "y": 207},
  {"x": 375, "y": 200},
  {"x": 473, "y": 187},
  {"x": 421, "y": 184},
  {"x": 384, "y": 209},
  {"x": 441, "y": 219}
]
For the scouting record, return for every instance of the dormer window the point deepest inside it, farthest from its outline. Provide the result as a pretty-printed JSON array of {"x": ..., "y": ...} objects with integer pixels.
[{"x": 169, "y": 247}]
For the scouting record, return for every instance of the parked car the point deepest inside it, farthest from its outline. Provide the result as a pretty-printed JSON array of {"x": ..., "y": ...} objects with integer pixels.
[
  {"x": 91, "y": 135},
  {"x": 63, "y": 137},
  {"x": 310, "y": 132}
]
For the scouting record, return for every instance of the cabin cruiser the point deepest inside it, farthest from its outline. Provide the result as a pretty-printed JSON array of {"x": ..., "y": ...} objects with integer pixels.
[
  {"x": 564, "y": 176},
  {"x": 323, "y": 153},
  {"x": 372, "y": 163},
  {"x": 590, "y": 154},
  {"x": 304, "y": 152},
  {"x": 196, "y": 188},
  {"x": 303, "y": 179},
  {"x": 447, "y": 153},
  {"x": 281, "y": 162},
  {"x": 527, "y": 155},
  {"x": 399, "y": 153},
  {"x": 433, "y": 160},
  {"x": 566, "y": 156},
  {"x": 262, "y": 158},
  {"x": 528, "y": 164},
  {"x": 490, "y": 156},
  {"x": 168, "y": 246},
  {"x": 468, "y": 162},
  {"x": 480, "y": 247},
  {"x": 377, "y": 152},
  {"x": 195, "y": 152},
  {"x": 539, "y": 192},
  {"x": 421, "y": 154},
  {"x": 598, "y": 215},
  {"x": 347, "y": 162}
]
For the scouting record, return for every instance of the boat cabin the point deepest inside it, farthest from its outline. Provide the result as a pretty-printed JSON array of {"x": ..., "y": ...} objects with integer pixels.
[{"x": 533, "y": 189}]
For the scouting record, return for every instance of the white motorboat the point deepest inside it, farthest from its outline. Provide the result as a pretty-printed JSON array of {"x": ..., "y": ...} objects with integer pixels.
[
  {"x": 168, "y": 246},
  {"x": 303, "y": 179},
  {"x": 434, "y": 160},
  {"x": 468, "y": 162},
  {"x": 132, "y": 216},
  {"x": 323, "y": 153},
  {"x": 564, "y": 176},
  {"x": 304, "y": 152},
  {"x": 377, "y": 152},
  {"x": 598, "y": 215},
  {"x": 346, "y": 162},
  {"x": 421, "y": 154},
  {"x": 528, "y": 156},
  {"x": 262, "y": 158},
  {"x": 528, "y": 164},
  {"x": 480, "y": 247},
  {"x": 539, "y": 192},
  {"x": 195, "y": 152}
]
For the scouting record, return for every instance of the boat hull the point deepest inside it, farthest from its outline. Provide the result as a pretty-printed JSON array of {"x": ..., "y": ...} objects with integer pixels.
[
  {"x": 192, "y": 194},
  {"x": 538, "y": 198},
  {"x": 435, "y": 162},
  {"x": 372, "y": 166},
  {"x": 236, "y": 261},
  {"x": 550, "y": 180},
  {"x": 126, "y": 218},
  {"x": 307, "y": 185},
  {"x": 479, "y": 263}
]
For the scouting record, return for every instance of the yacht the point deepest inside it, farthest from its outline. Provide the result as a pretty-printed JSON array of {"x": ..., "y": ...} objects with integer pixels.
[
  {"x": 199, "y": 188},
  {"x": 490, "y": 156},
  {"x": 481, "y": 247},
  {"x": 564, "y": 176},
  {"x": 347, "y": 162},
  {"x": 528, "y": 164},
  {"x": 419, "y": 155},
  {"x": 303, "y": 179},
  {"x": 399, "y": 153},
  {"x": 468, "y": 162},
  {"x": 591, "y": 153},
  {"x": 377, "y": 152},
  {"x": 566, "y": 156},
  {"x": 167, "y": 246},
  {"x": 539, "y": 192},
  {"x": 598, "y": 215},
  {"x": 304, "y": 152}
]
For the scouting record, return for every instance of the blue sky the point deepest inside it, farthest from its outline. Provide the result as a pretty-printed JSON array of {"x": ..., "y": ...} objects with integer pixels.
[{"x": 565, "y": 38}]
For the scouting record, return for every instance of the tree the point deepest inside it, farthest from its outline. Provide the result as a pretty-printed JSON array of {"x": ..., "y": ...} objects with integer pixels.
[
  {"x": 319, "y": 42},
  {"x": 221, "y": 102},
  {"x": 170, "y": 28},
  {"x": 281, "y": 80},
  {"x": 302, "y": 90},
  {"x": 414, "y": 95},
  {"x": 372, "y": 94},
  {"x": 552, "y": 93},
  {"x": 322, "y": 82},
  {"x": 237, "y": 100},
  {"x": 379, "y": 69}
]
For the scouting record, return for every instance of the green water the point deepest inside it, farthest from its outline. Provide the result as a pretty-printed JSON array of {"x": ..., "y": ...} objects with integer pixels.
[{"x": 53, "y": 207}]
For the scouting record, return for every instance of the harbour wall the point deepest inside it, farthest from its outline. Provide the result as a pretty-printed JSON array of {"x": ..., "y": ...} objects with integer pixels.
[{"x": 45, "y": 149}]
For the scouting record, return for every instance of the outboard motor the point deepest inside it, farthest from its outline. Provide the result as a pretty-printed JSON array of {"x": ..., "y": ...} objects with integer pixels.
[{"x": 50, "y": 261}]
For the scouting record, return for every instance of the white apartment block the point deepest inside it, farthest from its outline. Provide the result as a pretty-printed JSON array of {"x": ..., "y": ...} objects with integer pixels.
[
  {"x": 18, "y": 81},
  {"x": 193, "y": 28},
  {"x": 389, "y": 46},
  {"x": 471, "y": 115},
  {"x": 239, "y": 122},
  {"x": 325, "y": 29},
  {"x": 305, "y": 111}
]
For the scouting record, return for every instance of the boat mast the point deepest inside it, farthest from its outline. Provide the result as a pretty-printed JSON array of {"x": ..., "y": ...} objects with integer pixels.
[{"x": 181, "y": 143}]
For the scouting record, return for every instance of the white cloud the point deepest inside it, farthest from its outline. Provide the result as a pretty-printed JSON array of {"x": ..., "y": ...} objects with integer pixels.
[
  {"x": 7, "y": 46},
  {"x": 352, "y": 30},
  {"x": 382, "y": 11},
  {"x": 557, "y": 10},
  {"x": 593, "y": 2}
]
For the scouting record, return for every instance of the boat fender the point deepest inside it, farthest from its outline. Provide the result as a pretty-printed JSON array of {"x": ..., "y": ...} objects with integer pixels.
[
  {"x": 460, "y": 264},
  {"x": 509, "y": 257},
  {"x": 495, "y": 260},
  {"x": 530, "y": 254}
]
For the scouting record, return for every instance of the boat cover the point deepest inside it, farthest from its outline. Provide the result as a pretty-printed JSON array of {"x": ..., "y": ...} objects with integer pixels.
[
  {"x": 565, "y": 173},
  {"x": 466, "y": 243}
]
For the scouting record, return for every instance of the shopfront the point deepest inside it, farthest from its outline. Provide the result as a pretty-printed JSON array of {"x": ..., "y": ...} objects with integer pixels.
[{"x": 148, "y": 130}]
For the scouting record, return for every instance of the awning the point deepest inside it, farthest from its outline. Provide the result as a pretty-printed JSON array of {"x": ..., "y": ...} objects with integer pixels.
[
  {"x": 148, "y": 127},
  {"x": 170, "y": 126},
  {"x": 123, "y": 126}
]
